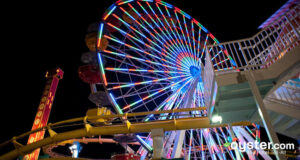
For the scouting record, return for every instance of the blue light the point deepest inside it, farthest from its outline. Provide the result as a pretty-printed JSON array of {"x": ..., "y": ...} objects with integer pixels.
[
  {"x": 75, "y": 149},
  {"x": 144, "y": 144},
  {"x": 194, "y": 71},
  {"x": 119, "y": 110}
]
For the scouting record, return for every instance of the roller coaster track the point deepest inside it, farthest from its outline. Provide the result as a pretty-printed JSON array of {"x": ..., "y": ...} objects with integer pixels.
[{"x": 88, "y": 129}]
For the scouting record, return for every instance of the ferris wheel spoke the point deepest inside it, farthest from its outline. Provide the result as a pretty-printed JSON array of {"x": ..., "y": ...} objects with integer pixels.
[
  {"x": 203, "y": 49},
  {"x": 199, "y": 40},
  {"x": 154, "y": 57},
  {"x": 201, "y": 144},
  {"x": 158, "y": 96},
  {"x": 167, "y": 34},
  {"x": 167, "y": 102},
  {"x": 200, "y": 94},
  {"x": 175, "y": 50},
  {"x": 142, "y": 70},
  {"x": 164, "y": 49},
  {"x": 147, "y": 92},
  {"x": 225, "y": 139},
  {"x": 178, "y": 98},
  {"x": 132, "y": 37},
  {"x": 131, "y": 64},
  {"x": 194, "y": 40},
  {"x": 156, "y": 23},
  {"x": 162, "y": 104},
  {"x": 159, "y": 53},
  {"x": 178, "y": 91},
  {"x": 179, "y": 37},
  {"x": 138, "y": 59},
  {"x": 219, "y": 143},
  {"x": 139, "y": 25},
  {"x": 145, "y": 82},
  {"x": 189, "y": 41},
  {"x": 183, "y": 35},
  {"x": 184, "y": 61},
  {"x": 209, "y": 143},
  {"x": 153, "y": 94},
  {"x": 170, "y": 27},
  {"x": 132, "y": 47},
  {"x": 137, "y": 91},
  {"x": 140, "y": 33},
  {"x": 143, "y": 102},
  {"x": 153, "y": 100},
  {"x": 171, "y": 103},
  {"x": 157, "y": 74},
  {"x": 181, "y": 43},
  {"x": 160, "y": 49},
  {"x": 190, "y": 144},
  {"x": 138, "y": 83}
]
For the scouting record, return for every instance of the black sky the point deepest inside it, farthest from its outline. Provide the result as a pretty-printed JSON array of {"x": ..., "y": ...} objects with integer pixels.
[{"x": 43, "y": 35}]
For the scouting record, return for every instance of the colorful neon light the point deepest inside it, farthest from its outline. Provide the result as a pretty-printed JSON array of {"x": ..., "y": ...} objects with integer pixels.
[
  {"x": 100, "y": 35},
  {"x": 144, "y": 144},
  {"x": 120, "y": 2},
  {"x": 119, "y": 110},
  {"x": 102, "y": 69},
  {"x": 158, "y": 45},
  {"x": 164, "y": 3},
  {"x": 110, "y": 10}
]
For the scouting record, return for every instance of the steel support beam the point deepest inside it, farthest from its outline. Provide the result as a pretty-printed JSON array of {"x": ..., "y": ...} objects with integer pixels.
[
  {"x": 180, "y": 135},
  {"x": 157, "y": 135},
  {"x": 263, "y": 114}
]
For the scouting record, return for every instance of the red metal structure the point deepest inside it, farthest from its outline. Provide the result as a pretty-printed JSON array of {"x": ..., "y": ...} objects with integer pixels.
[{"x": 44, "y": 109}]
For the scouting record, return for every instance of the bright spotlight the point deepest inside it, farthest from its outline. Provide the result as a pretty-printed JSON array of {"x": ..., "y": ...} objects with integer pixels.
[{"x": 216, "y": 119}]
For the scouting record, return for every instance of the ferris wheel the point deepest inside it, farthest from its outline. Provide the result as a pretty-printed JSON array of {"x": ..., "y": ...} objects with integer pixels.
[{"x": 154, "y": 60}]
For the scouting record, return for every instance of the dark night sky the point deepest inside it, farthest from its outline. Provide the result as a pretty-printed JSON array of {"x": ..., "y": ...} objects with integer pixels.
[{"x": 39, "y": 36}]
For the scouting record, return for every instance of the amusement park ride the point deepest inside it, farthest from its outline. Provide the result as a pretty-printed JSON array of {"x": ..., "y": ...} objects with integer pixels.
[{"x": 161, "y": 81}]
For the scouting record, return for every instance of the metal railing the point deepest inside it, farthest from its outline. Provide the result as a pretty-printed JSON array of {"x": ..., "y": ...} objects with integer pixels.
[
  {"x": 261, "y": 50},
  {"x": 256, "y": 52},
  {"x": 287, "y": 94}
]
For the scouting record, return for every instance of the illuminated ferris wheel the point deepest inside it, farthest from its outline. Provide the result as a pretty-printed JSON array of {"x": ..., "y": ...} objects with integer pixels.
[{"x": 154, "y": 60}]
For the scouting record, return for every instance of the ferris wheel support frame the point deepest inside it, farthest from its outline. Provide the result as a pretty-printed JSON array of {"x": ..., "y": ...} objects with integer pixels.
[
  {"x": 237, "y": 154},
  {"x": 181, "y": 134}
]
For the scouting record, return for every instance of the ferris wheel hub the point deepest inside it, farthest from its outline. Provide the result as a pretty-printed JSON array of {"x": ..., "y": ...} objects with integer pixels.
[{"x": 195, "y": 71}]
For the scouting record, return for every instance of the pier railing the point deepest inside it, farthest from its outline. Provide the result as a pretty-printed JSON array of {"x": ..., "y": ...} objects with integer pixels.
[{"x": 262, "y": 49}]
